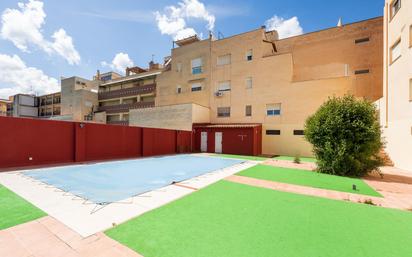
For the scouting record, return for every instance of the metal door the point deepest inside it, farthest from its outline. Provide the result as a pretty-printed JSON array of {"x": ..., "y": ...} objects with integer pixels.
[
  {"x": 203, "y": 142},
  {"x": 218, "y": 142}
]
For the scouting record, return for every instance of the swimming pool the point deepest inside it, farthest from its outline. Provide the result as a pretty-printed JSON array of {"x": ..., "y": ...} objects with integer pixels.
[{"x": 108, "y": 182}]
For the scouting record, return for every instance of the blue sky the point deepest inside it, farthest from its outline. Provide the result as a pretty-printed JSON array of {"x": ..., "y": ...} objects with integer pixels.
[{"x": 93, "y": 32}]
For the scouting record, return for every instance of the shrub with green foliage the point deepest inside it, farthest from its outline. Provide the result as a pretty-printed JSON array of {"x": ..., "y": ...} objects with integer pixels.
[{"x": 346, "y": 137}]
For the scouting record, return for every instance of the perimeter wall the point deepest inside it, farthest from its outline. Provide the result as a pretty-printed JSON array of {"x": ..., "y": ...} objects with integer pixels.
[{"x": 33, "y": 142}]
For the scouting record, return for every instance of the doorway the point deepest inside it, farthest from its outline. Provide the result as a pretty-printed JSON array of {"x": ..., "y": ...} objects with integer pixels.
[
  {"x": 218, "y": 142},
  {"x": 203, "y": 142}
]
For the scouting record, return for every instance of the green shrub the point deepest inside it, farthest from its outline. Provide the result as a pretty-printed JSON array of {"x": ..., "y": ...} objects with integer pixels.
[
  {"x": 296, "y": 159},
  {"x": 346, "y": 137}
]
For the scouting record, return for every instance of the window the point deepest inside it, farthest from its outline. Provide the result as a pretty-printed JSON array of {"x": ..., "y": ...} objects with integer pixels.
[
  {"x": 248, "y": 110},
  {"x": 396, "y": 51},
  {"x": 113, "y": 118},
  {"x": 410, "y": 90},
  {"x": 224, "y": 86},
  {"x": 249, "y": 55},
  {"x": 178, "y": 90},
  {"x": 273, "y": 109},
  {"x": 358, "y": 72},
  {"x": 196, "y": 87},
  {"x": 223, "y": 111},
  {"x": 361, "y": 40},
  {"x": 298, "y": 132},
  {"x": 197, "y": 66},
  {"x": 410, "y": 36},
  {"x": 272, "y": 132},
  {"x": 395, "y": 7},
  {"x": 179, "y": 67},
  {"x": 249, "y": 83},
  {"x": 224, "y": 59}
]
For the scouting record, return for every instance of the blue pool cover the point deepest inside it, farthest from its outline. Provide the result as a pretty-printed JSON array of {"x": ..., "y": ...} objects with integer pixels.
[{"x": 109, "y": 182}]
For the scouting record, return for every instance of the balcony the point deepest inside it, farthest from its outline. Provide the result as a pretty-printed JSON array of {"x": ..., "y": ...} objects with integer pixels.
[
  {"x": 138, "y": 90},
  {"x": 118, "y": 122},
  {"x": 126, "y": 107}
]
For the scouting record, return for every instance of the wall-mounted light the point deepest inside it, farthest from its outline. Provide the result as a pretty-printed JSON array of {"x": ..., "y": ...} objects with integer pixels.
[{"x": 82, "y": 125}]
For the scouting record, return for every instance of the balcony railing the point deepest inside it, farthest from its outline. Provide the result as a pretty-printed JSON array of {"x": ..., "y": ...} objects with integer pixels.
[
  {"x": 118, "y": 122},
  {"x": 138, "y": 90},
  {"x": 126, "y": 107}
]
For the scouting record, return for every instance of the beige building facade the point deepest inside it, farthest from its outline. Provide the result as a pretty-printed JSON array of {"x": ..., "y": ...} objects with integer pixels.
[
  {"x": 256, "y": 78},
  {"x": 118, "y": 96},
  {"x": 78, "y": 99},
  {"x": 3, "y": 106},
  {"x": 396, "y": 104},
  {"x": 49, "y": 105}
]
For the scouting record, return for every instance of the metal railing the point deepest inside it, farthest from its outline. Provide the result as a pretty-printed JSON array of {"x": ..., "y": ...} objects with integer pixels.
[
  {"x": 126, "y": 107},
  {"x": 137, "y": 90}
]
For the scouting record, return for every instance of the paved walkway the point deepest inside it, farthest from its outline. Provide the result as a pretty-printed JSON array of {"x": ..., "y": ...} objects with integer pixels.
[
  {"x": 47, "y": 237},
  {"x": 304, "y": 190},
  {"x": 395, "y": 186},
  {"x": 290, "y": 164}
]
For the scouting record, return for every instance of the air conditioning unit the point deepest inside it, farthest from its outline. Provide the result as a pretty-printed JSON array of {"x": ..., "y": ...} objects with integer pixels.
[{"x": 218, "y": 93}]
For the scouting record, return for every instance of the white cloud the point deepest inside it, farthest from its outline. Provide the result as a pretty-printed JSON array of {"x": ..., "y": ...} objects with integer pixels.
[
  {"x": 285, "y": 28},
  {"x": 63, "y": 45},
  {"x": 173, "y": 21},
  {"x": 23, "y": 27},
  {"x": 119, "y": 63},
  {"x": 23, "y": 79},
  {"x": 139, "y": 16}
]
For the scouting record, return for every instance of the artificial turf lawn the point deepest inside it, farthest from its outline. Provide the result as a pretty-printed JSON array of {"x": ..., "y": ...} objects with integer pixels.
[
  {"x": 15, "y": 210},
  {"x": 290, "y": 158},
  {"x": 234, "y": 220},
  {"x": 242, "y": 157},
  {"x": 309, "y": 178}
]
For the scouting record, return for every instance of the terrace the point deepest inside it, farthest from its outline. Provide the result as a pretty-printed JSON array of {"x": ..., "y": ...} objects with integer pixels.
[
  {"x": 259, "y": 207},
  {"x": 132, "y": 91},
  {"x": 126, "y": 107}
]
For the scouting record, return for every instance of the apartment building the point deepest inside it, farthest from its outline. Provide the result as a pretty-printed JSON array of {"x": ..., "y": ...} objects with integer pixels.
[
  {"x": 24, "y": 105},
  {"x": 49, "y": 105},
  {"x": 255, "y": 78},
  {"x": 78, "y": 99},
  {"x": 136, "y": 90},
  {"x": 396, "y": 104},
  {"x": 31, "y": 106}
]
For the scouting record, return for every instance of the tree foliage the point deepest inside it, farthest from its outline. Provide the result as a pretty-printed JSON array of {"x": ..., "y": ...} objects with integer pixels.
[{"x": 346, "y": 136}]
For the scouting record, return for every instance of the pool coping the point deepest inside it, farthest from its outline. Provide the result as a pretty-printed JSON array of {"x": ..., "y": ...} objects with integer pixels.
[{"x": 82, "y": 217}]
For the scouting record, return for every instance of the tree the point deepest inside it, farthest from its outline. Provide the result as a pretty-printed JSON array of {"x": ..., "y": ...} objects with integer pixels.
[{"x": 346, "y": 137}]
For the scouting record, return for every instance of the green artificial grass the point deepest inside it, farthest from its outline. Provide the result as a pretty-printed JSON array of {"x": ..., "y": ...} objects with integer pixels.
[
  {"x": 309, "y": 178},
  {"x": 242, "y": 157},
  {"x": 234, "y": 220},
  {"x": 15, "y": 210},
  {"x": 290, "y": 158}
]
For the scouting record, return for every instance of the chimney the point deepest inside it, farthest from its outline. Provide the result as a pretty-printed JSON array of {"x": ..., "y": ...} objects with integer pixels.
[
  {"x": 153, "y": 65},
  {"x": 98, "y": 75},
  {"x": 127, "y": 71}
]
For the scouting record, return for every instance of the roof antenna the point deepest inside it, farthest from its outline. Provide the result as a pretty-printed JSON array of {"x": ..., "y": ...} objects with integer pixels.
[{"x": 339, "y": 22}]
